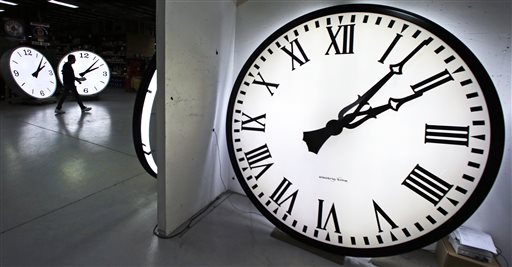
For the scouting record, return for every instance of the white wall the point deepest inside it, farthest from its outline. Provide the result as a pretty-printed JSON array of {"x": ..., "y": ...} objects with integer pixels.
[
  {"x": 195, "y": 55},
  {"x": 484, "y": 26}
]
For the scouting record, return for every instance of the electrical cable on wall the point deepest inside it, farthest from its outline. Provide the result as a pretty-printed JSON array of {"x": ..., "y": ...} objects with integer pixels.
[
  {"x": 500, "y": 255},
  {"x": 213, "y": 204},
  {"x": 222, "y": 179},
  {"x": 189, "y": 223}
]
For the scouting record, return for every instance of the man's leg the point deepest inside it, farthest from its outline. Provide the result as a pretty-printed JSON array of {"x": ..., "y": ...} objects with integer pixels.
[
  {"x": 61, "y": 100},
  {"x": 77, "y": 96}
]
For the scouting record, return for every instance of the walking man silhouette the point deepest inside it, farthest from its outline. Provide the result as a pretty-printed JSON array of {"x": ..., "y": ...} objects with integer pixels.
[{"x": 68, "y": 79}]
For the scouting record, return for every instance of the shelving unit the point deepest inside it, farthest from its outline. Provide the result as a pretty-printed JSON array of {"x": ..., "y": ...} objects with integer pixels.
[{"x": 114, "y": 52}]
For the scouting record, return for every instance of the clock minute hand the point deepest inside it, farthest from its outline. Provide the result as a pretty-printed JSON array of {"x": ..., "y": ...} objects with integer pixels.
[
  {"x": 36, "y": 73},
  {"x": 393, "y": 70},
  {"x": 363, "y": 100},
  {"x": 89, "y": 69},
  {"x": 315, "y": 139}
]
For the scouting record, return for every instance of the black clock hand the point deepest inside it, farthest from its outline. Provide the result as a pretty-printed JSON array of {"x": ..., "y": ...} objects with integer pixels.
[
  {"x": 393, "y": 104},
  {"x": 315, "y": 139},
  {"x": 396, "y": 103},
  {"x": 393, "y": 69},
  {"x": 89, "y": 69},
  {"x": 349, "y": 123},
  {"x": 85, "y": 72},
  {"x": 39, "y": 68}
]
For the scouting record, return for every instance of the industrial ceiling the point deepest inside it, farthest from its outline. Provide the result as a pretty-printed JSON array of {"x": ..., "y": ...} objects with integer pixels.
[{"x": 61, "y": 18}]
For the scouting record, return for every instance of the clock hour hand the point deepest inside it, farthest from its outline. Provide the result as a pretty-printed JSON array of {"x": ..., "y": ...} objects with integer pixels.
[
  {"x": 372, "y": 112},
  {"x": 396, "y": 103},
  {"x": 39, "y": 68},
  {"x": 89, "y": 69},
  {"x": 315, "y": 139},
  {"x": 85, "y": 72}
]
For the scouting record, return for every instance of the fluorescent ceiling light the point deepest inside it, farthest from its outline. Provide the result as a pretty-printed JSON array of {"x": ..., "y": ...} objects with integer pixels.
[
  {"x": 1, "y": 10},
  {"x": 8, "y": 3},
  {"x": 62, "y": 4}
]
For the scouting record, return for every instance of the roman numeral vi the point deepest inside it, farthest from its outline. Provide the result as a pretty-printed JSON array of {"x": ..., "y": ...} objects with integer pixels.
[
  {"x": 278, "y": 196},
  {"x": 331, "y": 216}
]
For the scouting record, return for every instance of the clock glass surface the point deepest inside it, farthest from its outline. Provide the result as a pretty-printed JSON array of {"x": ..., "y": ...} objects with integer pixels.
[
  {"x": 365, "y": 130},
  {"x": 31, "y": 72},
  {"x": 90, "y": 66}
]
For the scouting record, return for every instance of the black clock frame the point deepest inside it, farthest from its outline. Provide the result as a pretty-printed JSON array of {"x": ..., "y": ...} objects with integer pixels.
[
  {"x": 137, "y": 116},
  {"x": 491, "y": 97},
  {"x": 64, "y": 60}
]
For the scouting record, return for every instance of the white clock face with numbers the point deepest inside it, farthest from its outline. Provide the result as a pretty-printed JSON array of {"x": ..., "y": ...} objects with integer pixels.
[
  {"x": 31, "y": 72},
  {"x": 90, "y": 66},
  {"x": 365, "y": 130}
]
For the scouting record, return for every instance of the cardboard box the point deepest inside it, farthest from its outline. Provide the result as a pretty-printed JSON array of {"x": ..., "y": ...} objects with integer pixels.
[{"x": 446, "y": 257}]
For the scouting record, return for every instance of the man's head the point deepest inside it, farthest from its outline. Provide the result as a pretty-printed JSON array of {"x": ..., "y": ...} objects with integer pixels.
[{"x": 71, "y": 59}]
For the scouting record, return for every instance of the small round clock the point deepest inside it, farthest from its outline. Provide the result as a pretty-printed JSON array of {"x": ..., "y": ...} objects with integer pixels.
[
  {"x": 27, "y": 70},
  {"x": 13, "y": 28},
  {"x": 142, "y": 119},
  {"x": 90, "y": 66},
  {"x": 365, "y": 130}
]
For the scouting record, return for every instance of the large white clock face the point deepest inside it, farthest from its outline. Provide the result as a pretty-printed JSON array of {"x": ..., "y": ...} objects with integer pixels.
[
  {"x": 364, "y": 130},
  {"x": 90, "y": 66},
  {"x": 31, "y": 72}
]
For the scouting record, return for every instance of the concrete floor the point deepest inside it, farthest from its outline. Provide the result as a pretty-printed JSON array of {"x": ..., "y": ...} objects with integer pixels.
[{"x": 72, "y": 192}]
